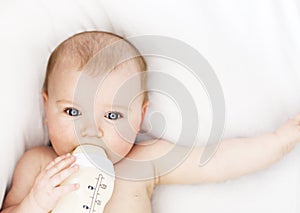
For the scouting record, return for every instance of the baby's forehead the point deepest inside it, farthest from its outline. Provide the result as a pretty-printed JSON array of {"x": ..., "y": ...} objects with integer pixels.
[
  {"x": 117, "y": 87},
  {"x": 95, "y": 70},
  {"x": 126, "y": 78},
  {"x": 72, "y": 77}
]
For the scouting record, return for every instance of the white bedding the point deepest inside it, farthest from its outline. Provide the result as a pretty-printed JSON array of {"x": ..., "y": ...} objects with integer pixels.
[{"x": 253, "y": 47}]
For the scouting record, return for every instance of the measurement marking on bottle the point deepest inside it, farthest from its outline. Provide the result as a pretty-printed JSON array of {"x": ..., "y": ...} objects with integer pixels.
[{"x": 96, "y": 202}]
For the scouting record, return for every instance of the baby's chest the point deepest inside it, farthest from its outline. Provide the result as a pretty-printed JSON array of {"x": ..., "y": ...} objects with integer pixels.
[{"x": 130, "y": 196}]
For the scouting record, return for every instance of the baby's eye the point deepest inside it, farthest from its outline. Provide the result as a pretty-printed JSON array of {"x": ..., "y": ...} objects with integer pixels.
[
  {"x": 113, "y": 115},
  {"x": 72, "y": 111}
]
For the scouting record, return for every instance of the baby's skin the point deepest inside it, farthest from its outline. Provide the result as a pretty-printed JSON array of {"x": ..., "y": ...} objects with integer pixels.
[
  {"x": 38, "y": 175},
  {"x": 40, "y": 171},
  {"x": 36, "y": 185}
]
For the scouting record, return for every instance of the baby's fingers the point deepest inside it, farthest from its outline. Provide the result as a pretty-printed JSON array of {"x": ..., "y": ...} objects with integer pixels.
[
  {"x": 61, "y": 176},
  {"x": 59, "y": 164},
  {"x": 64, "y": 189},
  {"x": 56, "y": 160}
]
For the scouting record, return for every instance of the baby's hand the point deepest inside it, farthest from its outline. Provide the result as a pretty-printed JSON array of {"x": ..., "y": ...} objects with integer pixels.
[
  {"x": 289, "y": 133},
  {"x": 46, "y": 190}
]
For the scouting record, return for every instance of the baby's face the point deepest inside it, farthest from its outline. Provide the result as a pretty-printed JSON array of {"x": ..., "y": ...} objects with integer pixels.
[{"x": 80, "y": 109}]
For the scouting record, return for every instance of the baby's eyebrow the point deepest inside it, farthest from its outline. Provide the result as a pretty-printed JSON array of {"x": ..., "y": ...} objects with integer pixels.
[
  {"x": 66, "y": 102},
  {"x": 107, "y": 106},
  {"x": 118, "y": 107}
]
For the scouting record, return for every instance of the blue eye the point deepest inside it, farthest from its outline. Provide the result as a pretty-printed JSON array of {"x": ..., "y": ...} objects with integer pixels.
[
  {"x": 72, "y": 112},
  {"x": 113, "y": 115}
]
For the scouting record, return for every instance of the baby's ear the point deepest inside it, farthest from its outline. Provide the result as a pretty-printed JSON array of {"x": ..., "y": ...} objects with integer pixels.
[
  {"x": 45, "y": 97},
  {"x": 144, "y": 109}
]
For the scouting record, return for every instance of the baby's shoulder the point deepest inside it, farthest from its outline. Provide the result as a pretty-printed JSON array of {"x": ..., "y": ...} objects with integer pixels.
[
  {"x": 151, "y": 149},
  {"x": 38, "y": 156},
  {"x": 27, "y": 168}
]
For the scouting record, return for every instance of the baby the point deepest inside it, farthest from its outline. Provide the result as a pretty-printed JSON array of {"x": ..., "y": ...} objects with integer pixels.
[{"x": 88, "y": 99}]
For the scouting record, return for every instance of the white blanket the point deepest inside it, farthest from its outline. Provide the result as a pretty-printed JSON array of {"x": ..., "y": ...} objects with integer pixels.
[{"x": 253, "y": 47}]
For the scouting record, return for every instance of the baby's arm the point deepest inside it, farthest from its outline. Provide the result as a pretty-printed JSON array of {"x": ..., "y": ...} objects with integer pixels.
[
  {"x": 36, "y": 189},
  {"x": 235, "y": 157}
]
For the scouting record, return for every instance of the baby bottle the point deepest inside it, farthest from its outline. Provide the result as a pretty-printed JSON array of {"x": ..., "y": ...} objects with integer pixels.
[{"x": 96, "y": 179}]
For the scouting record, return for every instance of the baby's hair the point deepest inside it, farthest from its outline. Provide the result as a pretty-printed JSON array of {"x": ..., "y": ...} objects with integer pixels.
[{"x": 94, "y": 51}]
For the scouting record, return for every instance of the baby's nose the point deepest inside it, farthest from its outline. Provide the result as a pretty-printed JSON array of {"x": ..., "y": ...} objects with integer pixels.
[{"x": 92, "y": 131}]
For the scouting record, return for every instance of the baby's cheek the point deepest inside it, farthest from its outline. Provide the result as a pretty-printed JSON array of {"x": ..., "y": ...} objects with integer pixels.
[
  {"x": 63, "y": 139},
  {"x": 117, "y": 150},
  {"x": 124, "y": 130},
  {"x": 119, "y": 138},
  {"x": 117, "y": 144},
  {"x": 120, "y": 147},
  {"x": 134, "y": 120}
]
